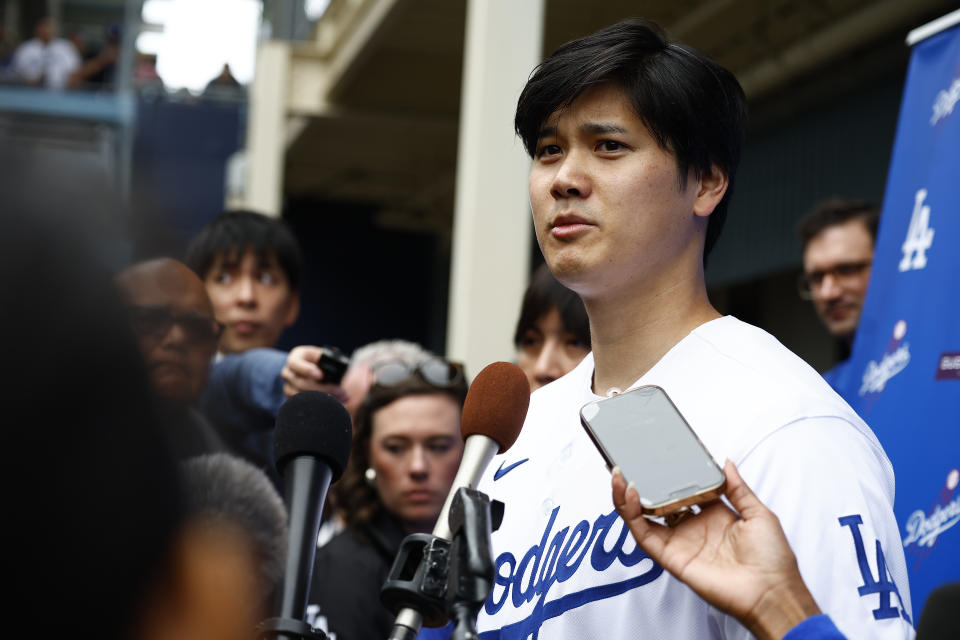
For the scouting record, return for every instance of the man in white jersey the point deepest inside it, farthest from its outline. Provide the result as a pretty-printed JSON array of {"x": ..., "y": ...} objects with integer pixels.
[{"x": 635, "y": 142}]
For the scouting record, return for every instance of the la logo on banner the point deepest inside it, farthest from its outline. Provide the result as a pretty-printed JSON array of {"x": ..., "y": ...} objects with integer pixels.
[{"x": 919, "y": 235}]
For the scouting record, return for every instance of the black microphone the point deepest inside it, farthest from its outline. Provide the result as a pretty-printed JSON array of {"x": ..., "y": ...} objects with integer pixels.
[
  {"x": 939, "y": 619},
  {"x": 311, "y": 446},
  {"x": 493, "y": 414}
]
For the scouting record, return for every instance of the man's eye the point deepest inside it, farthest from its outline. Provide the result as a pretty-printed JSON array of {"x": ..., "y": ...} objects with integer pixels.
[
  {"x": 850, "y": 269},
  {"x": 529, "y": 341},
  {"x": 609, "y": 145},
  {"x": 548, "y": 150}
]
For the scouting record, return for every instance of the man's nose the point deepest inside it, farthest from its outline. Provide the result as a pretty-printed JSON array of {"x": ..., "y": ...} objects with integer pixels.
[
  {"x": 175, "y": 337},
  {"x": 830, "y": 288},
  {"x": 548, "y": 366},
  {"x": 571, "y": 179},
  {"x": 246, "y": 292}
]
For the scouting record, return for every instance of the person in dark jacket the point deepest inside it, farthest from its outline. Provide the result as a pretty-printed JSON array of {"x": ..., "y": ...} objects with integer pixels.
[{"x": 406, "y": 452}]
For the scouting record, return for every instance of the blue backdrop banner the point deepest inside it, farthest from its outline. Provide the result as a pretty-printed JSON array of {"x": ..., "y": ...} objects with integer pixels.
[{"x": 903, "y": 376}]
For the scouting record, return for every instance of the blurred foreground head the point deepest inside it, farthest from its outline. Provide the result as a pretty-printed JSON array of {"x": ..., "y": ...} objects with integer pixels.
[
  {"x": 101, "y": 500},
  {"x": 227, "y": 493},
  {"x": 100, "y": 532}
]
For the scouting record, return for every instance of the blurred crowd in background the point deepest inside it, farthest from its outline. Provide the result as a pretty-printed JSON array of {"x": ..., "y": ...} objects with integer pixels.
[
  {"x": 54, "y": 62},
  {"x": 82, "y": 59}
]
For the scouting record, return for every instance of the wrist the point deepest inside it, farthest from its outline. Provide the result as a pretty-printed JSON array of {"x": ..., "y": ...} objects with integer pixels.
[{"x": 781, "y": 609}]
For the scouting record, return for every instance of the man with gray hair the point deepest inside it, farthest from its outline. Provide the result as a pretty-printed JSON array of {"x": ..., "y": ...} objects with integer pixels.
[
  {"x": 300, "y": 373},
  {"x": 359, "y": 376},
  {"x": 247, "y": 389}
]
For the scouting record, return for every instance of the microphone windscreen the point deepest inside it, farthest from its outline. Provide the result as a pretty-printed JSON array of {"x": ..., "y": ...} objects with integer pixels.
[
  {"x": 313, "y": 423},
  {"x": 496, "y": 404},
  {"x": 939, "y": 616}
]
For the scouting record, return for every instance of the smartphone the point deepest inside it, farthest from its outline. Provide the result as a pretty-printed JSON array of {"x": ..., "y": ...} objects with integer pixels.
[
  {"x": 333, "y": 363},
  {"x": 642, "y": 432}
]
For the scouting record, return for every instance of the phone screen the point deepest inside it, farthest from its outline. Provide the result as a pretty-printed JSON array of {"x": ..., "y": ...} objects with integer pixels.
[{"x": 643, "y": 433}]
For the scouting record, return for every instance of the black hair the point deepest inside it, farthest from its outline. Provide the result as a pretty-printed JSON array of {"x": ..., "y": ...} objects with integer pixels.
[
  {"x": 692, "y": 106},
  {"x": 87, "y": 449},
  {"x": 545, "y": 293},
  {"x": 233, "y": 232},
  {"x": 356, "y": 500},
  {"x": 834, "y": 211}
]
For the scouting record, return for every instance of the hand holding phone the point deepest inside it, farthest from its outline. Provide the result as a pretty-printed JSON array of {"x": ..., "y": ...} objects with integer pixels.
[
  {"x": 299, "y": 372},
  {"x": 642, "y": 432},
  {"x": 333, "y": 363}
]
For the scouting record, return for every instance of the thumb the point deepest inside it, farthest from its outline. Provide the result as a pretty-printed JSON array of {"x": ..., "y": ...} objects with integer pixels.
[{"x": 743, "y": 499}]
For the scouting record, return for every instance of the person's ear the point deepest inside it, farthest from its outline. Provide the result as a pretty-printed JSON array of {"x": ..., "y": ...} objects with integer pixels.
[
  {"x": 293, "y": 310},
  {"x": 209, "y": 590},
  {"x": 711, "y": 188}
]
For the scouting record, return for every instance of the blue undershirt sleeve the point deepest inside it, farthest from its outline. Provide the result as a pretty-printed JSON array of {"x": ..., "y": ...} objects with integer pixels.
[
  {"x": 819, "y": 627},
  {"x": 245, "y": 390}
]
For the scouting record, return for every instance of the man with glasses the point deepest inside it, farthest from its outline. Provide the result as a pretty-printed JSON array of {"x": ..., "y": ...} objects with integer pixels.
[
  {"x": 173, "y": 321},
  {"x": 837, "y": 237}
]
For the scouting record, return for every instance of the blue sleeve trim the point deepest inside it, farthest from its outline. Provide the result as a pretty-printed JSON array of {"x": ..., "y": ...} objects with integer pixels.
[
  {"x": 819, "y": 627},
  {"x": 439, "y": 633}
]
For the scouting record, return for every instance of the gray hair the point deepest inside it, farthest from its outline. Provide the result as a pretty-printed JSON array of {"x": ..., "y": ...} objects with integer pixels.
[
  {"x": 229, "y": 489},
  {"x": 409, "y": 352}
]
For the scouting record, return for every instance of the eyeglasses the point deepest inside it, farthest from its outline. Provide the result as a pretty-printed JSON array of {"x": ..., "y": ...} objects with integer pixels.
[
  {"x": 437, "y": 372},
  {"x": 843, "y": 273},
  {"x": 156, "y": 321}
]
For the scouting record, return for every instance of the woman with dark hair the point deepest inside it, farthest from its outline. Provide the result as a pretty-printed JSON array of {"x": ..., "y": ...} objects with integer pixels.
[
  {"x": 406, "y": 452},
  {"x": 553, "y": 332}
]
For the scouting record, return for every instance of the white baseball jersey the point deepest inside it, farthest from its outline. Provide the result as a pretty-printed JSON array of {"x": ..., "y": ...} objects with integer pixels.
[{"x": 566, "y": 565}]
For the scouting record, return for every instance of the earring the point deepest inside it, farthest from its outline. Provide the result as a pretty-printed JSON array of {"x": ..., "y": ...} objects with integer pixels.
[{"x": 370, "y": 475}]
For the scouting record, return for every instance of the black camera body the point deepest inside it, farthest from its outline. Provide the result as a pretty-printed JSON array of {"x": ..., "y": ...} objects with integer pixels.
[{"x": 333, "y": 363}]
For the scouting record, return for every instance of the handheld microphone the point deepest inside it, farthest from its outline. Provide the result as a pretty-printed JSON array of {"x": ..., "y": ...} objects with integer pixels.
[
  {"x": 493, "y": 414},
  {"x": 311, "y": 446}
]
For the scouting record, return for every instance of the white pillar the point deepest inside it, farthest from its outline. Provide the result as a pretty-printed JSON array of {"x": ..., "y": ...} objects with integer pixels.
[
  {"x": 491, "y": 228},
  {"x": 266, "y": 129}
]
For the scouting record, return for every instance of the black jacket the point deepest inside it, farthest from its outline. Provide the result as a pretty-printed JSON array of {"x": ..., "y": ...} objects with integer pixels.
[{"x": 347, "y": 576}]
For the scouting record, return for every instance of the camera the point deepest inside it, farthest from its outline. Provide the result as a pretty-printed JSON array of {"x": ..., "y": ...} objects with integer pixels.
[{"x": 333, "y": 363}]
